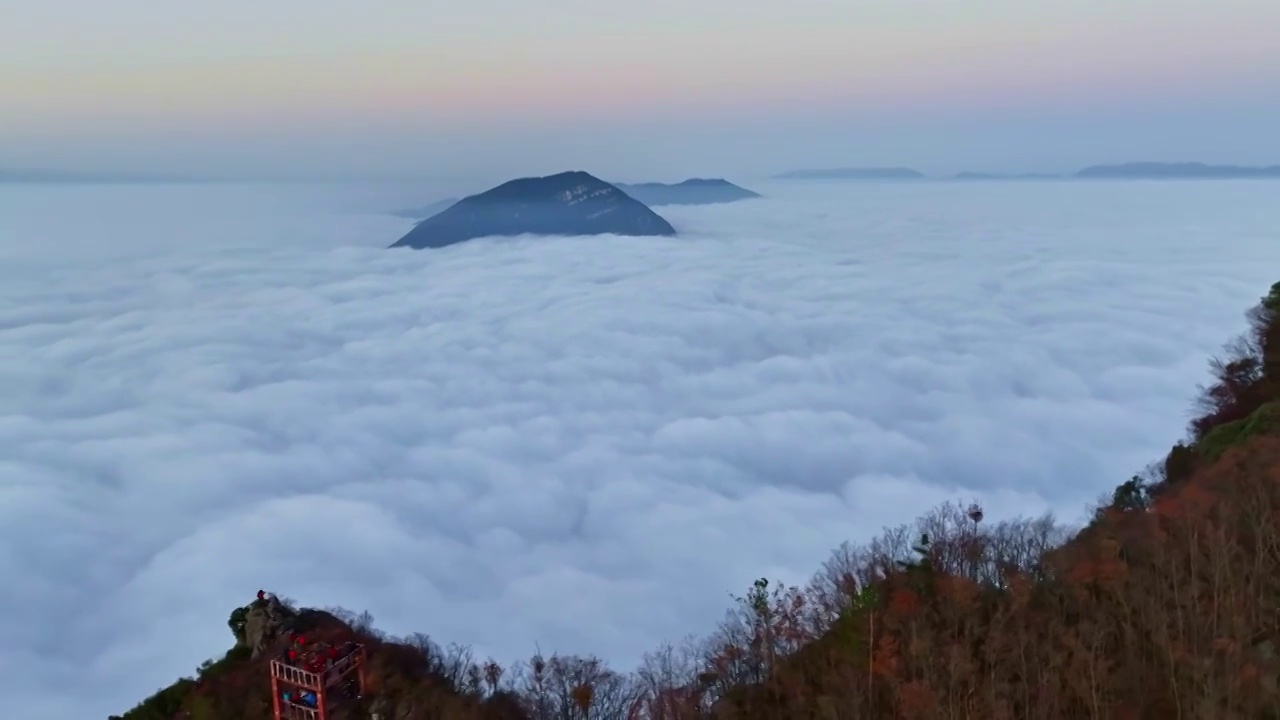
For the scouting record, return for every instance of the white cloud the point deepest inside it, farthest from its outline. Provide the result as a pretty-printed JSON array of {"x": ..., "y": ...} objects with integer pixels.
[{"x": 583, "y": 443}]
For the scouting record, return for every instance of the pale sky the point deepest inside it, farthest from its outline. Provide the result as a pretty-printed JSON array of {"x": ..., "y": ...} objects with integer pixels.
[{"x": 643, "y": 90}]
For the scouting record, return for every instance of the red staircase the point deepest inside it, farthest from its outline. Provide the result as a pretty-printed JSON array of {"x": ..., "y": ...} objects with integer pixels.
[{"x": 325, "y": 685}]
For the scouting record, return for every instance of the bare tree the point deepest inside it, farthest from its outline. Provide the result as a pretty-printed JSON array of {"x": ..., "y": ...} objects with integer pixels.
[
  {"x": 454, "y": 663},
  {"x": 570, "y": 687}
]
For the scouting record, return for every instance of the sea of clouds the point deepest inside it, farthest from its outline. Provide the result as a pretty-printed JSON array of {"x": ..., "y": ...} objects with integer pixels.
[{"x": 580, "y": 443}]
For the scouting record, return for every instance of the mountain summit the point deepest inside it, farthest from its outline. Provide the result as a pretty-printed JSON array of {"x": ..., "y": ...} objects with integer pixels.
[{"x": 568, "y": 203}]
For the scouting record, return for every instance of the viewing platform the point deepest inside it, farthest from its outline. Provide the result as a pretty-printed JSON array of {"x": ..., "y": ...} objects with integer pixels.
[{"x": 342, "y": 679}]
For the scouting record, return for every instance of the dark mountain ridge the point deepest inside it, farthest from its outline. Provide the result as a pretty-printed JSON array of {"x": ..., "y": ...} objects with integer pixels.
[{"x": 568, "y": 203}]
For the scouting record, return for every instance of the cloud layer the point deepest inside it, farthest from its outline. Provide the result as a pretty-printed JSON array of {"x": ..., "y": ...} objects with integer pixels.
[{"x": 583, "y": 443}]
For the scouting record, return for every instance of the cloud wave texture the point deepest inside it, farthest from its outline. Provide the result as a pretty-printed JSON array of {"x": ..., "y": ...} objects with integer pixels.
[{"x": 583, "y": 443}]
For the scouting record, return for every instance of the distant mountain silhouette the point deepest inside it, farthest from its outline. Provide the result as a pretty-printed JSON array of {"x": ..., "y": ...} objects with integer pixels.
[
  {"x": 569, "y": 203},
  {"x": 695, "y": 191},
  {"x": 426, "y": 211},
  {"x": 870, "y": 173},
  {"x": 1184, "y": 170}
]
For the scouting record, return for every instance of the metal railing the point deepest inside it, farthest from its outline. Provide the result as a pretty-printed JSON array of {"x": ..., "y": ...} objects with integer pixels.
[
  {"x": 293, "y": 711},
  {"x": 295, "y": 676},
  {"x": 342, "y": 667},
  {"x": 317, "y": 681}
]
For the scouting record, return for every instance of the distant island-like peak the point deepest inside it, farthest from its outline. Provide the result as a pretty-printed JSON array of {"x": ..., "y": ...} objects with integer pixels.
[
  {"x": 568, "y": 203},
  {"x": 853, "y": 173},
  {"x": 1178, "y": 170},
  {"x": 694, "y": 191}
]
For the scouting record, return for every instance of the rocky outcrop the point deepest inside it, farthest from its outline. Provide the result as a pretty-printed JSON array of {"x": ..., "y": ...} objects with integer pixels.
[
  {"x": 258, "y": 624},
  {"x": 569, "y": 203}
]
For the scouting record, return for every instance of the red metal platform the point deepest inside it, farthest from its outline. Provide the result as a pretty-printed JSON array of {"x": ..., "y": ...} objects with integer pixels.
[{"x": 286, "y": 677}]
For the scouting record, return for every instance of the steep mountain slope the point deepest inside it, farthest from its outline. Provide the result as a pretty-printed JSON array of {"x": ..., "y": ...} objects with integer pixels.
[
  {"x": 569, "y": 203},
  {"x": 426, "y": 211}
]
